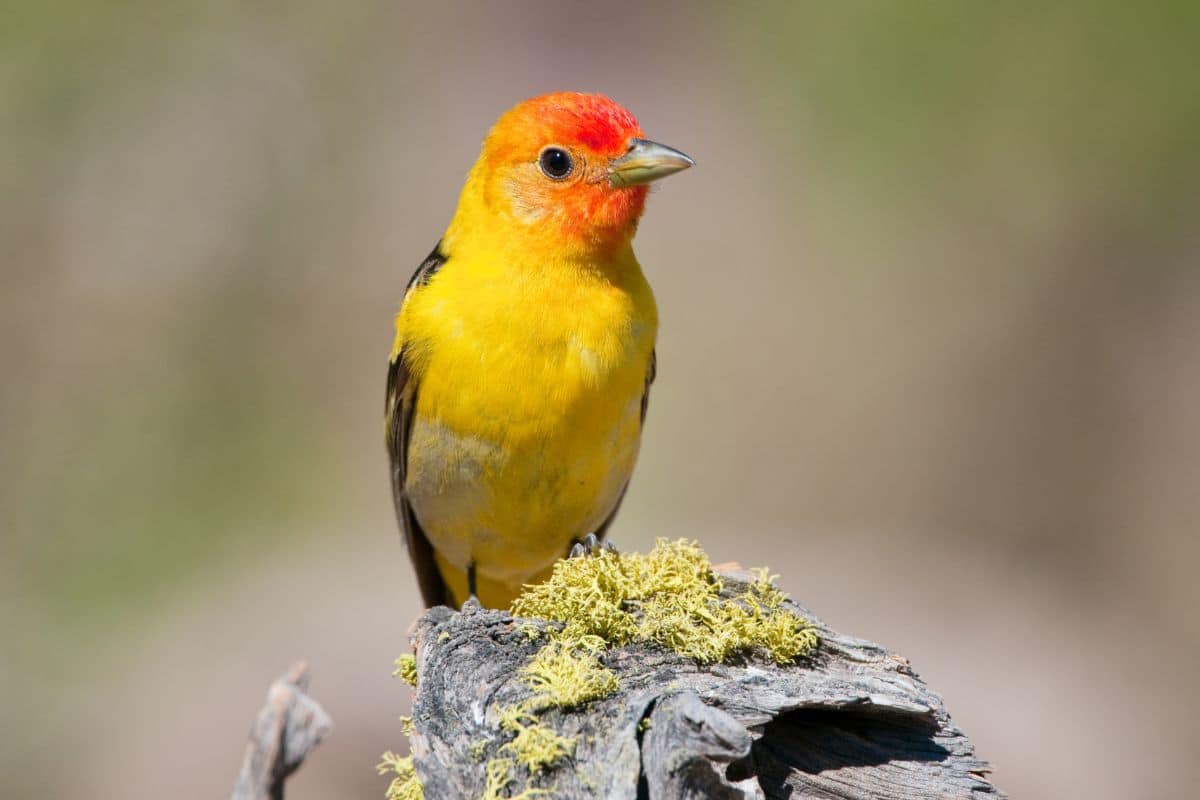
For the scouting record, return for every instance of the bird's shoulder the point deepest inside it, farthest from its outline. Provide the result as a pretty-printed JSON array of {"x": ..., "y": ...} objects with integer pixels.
[{"x": 427, "y": 269}]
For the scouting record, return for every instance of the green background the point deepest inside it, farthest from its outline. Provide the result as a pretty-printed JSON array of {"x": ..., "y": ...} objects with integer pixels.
[{"x": 930, "y": 349}]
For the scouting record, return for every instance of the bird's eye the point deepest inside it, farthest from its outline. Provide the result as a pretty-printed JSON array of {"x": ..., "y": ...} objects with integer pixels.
[{"x": 556, "y": 163}]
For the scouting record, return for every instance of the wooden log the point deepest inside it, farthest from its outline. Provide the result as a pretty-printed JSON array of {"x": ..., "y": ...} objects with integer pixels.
[
  {"x": 854, "y": 721},
  {"x": 284, "y": 733}
]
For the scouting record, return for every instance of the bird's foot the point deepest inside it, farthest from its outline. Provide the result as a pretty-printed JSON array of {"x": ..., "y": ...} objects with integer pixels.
[
  {"x": 472, "y": 602},
  {"x": 590, "y": 545}
]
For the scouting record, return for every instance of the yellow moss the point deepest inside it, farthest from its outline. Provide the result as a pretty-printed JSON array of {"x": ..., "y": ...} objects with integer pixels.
[
  {"x": 406, "y": 669},
  {"x": 535, "y": 746},
  {"x": 669, "y": 596},
  {"x": 499, "y": 776},
  {"x": 565, "y": 674},
  {"x": 764, "y": 588},
  {"x": 532, "y": 632},
  {"x": 405, "y": 784}
]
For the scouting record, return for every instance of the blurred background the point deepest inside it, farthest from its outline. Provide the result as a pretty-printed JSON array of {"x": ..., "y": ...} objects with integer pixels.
[{"x": 930, "y": 349}]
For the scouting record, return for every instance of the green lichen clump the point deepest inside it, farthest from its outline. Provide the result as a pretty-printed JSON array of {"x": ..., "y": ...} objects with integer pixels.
[
  {"x": 534, "y": 746},
  {"x": 560, "y": 676},
  {"x": 406, "y": 669},
  {"x": 405, "y": 784},
  {"x": 499, "y": 772},
  {"x": 566, "y": 674},
  {"x": 671, "y": 597}
]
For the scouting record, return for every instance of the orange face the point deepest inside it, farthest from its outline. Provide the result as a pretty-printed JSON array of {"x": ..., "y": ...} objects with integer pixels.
[{"x": 548, "y": 162}]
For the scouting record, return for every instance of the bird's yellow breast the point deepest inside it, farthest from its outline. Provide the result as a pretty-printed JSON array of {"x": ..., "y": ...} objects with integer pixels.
[{"x": 527, "y": 419}]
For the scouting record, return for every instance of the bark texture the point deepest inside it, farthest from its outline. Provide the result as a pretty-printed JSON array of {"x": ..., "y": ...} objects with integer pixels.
[
  {"x": 855, "y": 721},
  {"x": 285, "y": 731}
]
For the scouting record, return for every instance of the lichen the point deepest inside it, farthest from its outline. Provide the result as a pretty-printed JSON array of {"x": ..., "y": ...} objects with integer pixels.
[
  {"x": 406, "y": 669},
  {"x": 499, "y": 772},
  {"x": 405, "y": 784},
  {"x": 534, "y": 746},
  {"x": 531, "y": 631},
  {"x": 567, "y": 673},
  {"x": 499, "y": 776},
  {"x": 670, "y": 597}
]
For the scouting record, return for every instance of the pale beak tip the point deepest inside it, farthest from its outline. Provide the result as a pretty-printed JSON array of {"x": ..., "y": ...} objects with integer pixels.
[{"x": 646, "y": 162}]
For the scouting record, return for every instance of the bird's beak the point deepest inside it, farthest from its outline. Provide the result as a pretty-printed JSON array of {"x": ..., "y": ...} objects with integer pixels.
[{"x": 646, "y": 161}]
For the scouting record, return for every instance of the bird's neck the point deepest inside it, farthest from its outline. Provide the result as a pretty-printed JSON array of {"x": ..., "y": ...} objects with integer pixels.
[{"x": 486, "y": 223}]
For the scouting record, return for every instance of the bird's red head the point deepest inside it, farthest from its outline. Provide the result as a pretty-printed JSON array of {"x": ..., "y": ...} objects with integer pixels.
[{"x": 571, "y": 168}]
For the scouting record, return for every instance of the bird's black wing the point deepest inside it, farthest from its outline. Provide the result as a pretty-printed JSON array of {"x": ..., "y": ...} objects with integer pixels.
[
  {"x": 398, "y": 412},
  {"x": 651, "y": 372}
]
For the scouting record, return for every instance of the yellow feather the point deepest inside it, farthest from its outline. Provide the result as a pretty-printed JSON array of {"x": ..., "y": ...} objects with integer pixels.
[
  {"x": 530, "y": 349},
  {"x": 526, "y": 427}
]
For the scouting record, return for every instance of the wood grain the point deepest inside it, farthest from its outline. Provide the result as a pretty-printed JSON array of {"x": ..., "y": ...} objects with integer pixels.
[
  {"x": 284, "y": 733},
  {"x": 855, "y": 722}
]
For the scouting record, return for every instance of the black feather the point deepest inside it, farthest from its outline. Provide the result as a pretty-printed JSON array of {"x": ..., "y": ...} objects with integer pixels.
[{"x": 398, "y": 411}]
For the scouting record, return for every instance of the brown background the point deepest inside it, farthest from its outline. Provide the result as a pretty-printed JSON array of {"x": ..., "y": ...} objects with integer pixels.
[{"x": 930, "y": 349}]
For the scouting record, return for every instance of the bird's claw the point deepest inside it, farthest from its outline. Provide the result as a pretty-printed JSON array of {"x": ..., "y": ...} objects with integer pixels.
[{"x": 590, "y": 545}]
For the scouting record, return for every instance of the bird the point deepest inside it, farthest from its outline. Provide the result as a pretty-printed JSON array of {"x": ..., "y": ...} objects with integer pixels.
[{"x": 524, "y": 350}]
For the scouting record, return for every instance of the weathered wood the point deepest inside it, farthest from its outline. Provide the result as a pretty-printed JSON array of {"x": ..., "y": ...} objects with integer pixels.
[
  {"x": 854, "y": 722},
  {"x": 285, "y": 731}
]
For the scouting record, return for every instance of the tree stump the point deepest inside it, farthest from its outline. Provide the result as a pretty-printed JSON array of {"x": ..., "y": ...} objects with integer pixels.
[{"x": 852, "y": 721}]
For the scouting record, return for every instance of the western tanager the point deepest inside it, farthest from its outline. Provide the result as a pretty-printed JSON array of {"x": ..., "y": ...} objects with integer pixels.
[{"x": 524, "y": 351}]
